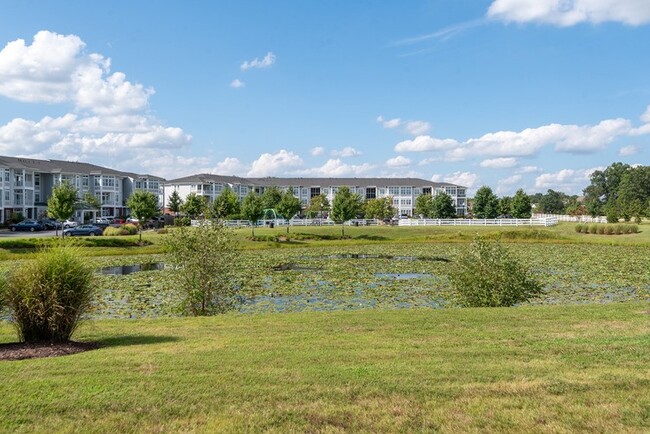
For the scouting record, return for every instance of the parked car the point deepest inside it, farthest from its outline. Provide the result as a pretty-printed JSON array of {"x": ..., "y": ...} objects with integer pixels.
[
  {"x": 70, "y": 224},
  {"x": 100, "y": 223},
  {"x": 50, "y": 224},
  {"x": 83, "y": 230},
  {"x": 27, "y": 225}
]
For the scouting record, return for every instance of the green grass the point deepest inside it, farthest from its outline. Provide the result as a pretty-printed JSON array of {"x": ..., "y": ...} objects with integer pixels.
[{"x": 533, "y": 369}]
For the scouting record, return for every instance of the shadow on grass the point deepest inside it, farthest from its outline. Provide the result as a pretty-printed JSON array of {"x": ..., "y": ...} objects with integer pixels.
[
  {"x": 371, "y": 237},
  {"x": 123, "y": 341}
]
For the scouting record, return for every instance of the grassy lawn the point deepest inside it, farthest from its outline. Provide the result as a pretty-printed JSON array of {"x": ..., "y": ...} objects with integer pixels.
[{"x": 531, "y": 369}]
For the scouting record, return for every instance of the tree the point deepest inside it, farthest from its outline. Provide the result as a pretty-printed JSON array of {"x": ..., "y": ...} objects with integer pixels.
[
  {"x": 143, "y": 205},
  {"x": 521, "y": 207},
  {"x": 271, "y": 197},
  {"x": 443, "y": 206},
  {"x": 381, "y": 208},
  {"x": 92, "y": 201},
  {"x": 226, "y": 205},
  {"x": 553, "y": 202},
  {"x": 289, "y": 206},
  {"x": 253, "y": 208},
  {"x": 60, "y": 206},
  {"x": 633, "y": 193},
  {"x": 486, "y": 204},
  {"x": 604, "y": 187},
  {"x": 175, "y": 202},
  {"x": 317, "y": 205},
  {"x": 345, "y": 206},
  {"x": 194, "y": 205},
  {"x": 204, "y": 268},
  {"x": 424, "y": 205},
  {"x": 505, "y": 206}
]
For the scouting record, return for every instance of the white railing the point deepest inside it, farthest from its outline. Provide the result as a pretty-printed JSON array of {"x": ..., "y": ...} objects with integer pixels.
[
  {"x": 546, "y": 221},
  {"x": 573, "y": 218}
]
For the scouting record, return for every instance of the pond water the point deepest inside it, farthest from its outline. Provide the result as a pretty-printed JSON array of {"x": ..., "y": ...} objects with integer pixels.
[{"x": 122, "y": 270}]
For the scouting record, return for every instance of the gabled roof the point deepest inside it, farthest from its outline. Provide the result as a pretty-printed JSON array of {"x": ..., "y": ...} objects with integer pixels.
[
  {"x": 209, "y": 178},
  {"x": 351, "y": 182},
  {"x": 68, "y": 167}
]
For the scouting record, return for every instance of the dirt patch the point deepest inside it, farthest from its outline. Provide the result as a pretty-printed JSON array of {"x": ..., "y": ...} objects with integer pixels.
[{"x": 21, "y": 350}]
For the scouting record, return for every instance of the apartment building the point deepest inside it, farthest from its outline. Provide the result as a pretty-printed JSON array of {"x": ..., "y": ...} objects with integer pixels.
[
  {"x": 402, "y": 191},
  {"x": 27, "y": 185}
]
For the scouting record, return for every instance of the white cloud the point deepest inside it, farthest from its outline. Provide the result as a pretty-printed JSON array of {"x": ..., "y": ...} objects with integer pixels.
[
  {"x": 499, "y": 163},
  {"x": 237, "y": 83},
  {"x": 274, "y": 164},
  {"x": 110, "y": 112},
  {"x": 628, "y": 150},
  {"x": 398, "y": 161},
  {"x": 466, "y": 179},
  {"x": 570, "y": 181},
  {"x": 266, "y": 62},
  {"x": 336, "y": 168},
  {"x": 230, "y": 166},
  {"x": 425, "y": 143},
  {"x": 417, "y": 128},
  {"x": 346, "y": 152},
  {"x": 505, "y": 185},
  {"x": 571, "y": 12},
  {"x": 390, "y": 123},
  {"x": 645, "y": 117},
  {"x": 318, "y": 150},
  {"x": 529, "y": 169},
  {"x": 429, "y": 161}
]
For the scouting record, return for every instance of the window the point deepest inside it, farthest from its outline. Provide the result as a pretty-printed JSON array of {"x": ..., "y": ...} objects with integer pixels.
[
  {"x": 304, "y": 192},
  {"x": 315, "y": 191},
  {"x": 84, "y": 182},
  {"x": 461, "y": 192},
  {"x": 138, "y": 185},
  {"x": 106, "y": 198},
  {"x": 7, "y": 175},
  {"x": 6, "y": 196},
  {"x": 382, "y": 192},
  {"x": 393, "y": 191},
  {"x": 426, "y": 190},
  {"x": 371, "y": 193},
  {"x": 451, "y": 191},
  {"x": 405, "y": 191}
]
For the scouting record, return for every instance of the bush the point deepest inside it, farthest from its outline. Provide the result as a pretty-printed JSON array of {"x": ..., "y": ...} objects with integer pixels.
[
  {"x": 601, "y": 229},
  {"x": 182, "y": 221},
  {"x": 130, "y": 229},
  {"x": 578, "y": 227},
  {"x": 593, "y": 228},
  {"x": 48, "y": 297},
  {"x": 487, "y": 275},
  {"x": 609, "y": 229},
  {"x": 618, "y": 229}
]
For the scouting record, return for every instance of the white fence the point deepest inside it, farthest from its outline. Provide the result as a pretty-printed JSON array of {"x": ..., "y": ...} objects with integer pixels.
[
  {"x": 573, "y": 218},
  {"x": 546, "y": 221}
]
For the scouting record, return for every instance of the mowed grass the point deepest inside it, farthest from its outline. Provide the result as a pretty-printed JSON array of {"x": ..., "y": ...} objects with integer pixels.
[{"x": 529, "y": 369}]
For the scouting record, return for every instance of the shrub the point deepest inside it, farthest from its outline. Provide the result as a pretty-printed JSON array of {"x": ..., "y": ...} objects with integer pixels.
[
  {"x": 634, "y": 229},
  {"x": 593, "y": 228},
  {"x": 205, "y": 268},
  {"x": 618, "y": 229},
  {"x": 48, "y": 297},
  {"x": 609, "y": 229},
  {"x": 601, "y": 229},
  {"x": 182, "y": 221},
  {"x": 112, "y": 231},
  {"x": 130, "y": 229},
  {"x": 487, "y": 275},
  {"x": 579, "y": 227}
]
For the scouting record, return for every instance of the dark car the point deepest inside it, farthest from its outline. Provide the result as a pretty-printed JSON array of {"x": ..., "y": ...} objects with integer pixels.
[
  {"x": 100, "y": 224},
  {"x": 83, "y": 230},
  {"x": 50, "y": 224},
  {"x": 27, "y": 225}
]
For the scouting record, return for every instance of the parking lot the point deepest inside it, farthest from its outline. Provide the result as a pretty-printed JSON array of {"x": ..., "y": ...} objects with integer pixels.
[{"x": 6, "y": 233}]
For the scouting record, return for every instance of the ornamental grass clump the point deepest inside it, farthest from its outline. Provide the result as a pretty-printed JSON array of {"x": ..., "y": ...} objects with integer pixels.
[
  {"x": 487, "y": 275},
  {"x": 48, "y": 297}
]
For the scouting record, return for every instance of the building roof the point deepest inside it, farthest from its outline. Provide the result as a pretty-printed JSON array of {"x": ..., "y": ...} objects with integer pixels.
[
  {"x": 60, "y": 166},
  {"x": 351, "y": 182},
  {"x": 208, "y": 178}
]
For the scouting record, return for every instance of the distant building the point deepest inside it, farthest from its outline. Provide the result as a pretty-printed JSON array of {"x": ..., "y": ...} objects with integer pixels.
[
  {"x": 27, "y": 185},
  {"x": 403, "y": 191}
]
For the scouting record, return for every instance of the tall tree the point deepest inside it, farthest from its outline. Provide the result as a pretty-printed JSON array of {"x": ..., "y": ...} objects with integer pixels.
[
  {"x": 345, "y": 206},
  {"x": 226, "y": 205},
  {"x": 380, "y": 208},
  {"x": 175, "y": 202},
  {"x": 143, "y": 205},
  {"x": 424, "y": 205},
  {"x": 271, "y": 197},
  {"x": 194, "y": 205},
  {"x": 60, "y": 206},
  {"x": 253, "y": 208},
  {"x": 317, "y": 205},
  {"x": 443, "y": 206},
  {"x": 553, "y": 202},
  {"x": 289, "y": 206},
  {"x": 486, "y": 204},
  {"x": 633, "y": 193},
  {"x": 604, "y": 187},
  {"x": 505, "y": 205},
  {"x": 521, "y": 207}
]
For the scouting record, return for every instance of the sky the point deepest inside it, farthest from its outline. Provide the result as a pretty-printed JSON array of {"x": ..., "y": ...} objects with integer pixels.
[{"x": 532, "y": 94}]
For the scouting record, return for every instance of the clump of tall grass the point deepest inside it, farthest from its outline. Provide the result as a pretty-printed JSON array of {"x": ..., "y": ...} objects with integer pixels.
[
  {"x": 607, "y": 229},
  {"x": 48, "y": 297},
  {"x": 127, "y": 229}
]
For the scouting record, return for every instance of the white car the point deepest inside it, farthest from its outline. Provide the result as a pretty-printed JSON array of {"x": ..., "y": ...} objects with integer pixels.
[{"x": 70, "y": 224}]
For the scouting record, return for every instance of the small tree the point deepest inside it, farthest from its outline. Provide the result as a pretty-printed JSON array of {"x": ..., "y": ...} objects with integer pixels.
[
  {"x": 487, "y": 275},
  {"x": 317, "y": 205},
  {"x": 345, "y": 206},
  {"x": 486, "y": 204},
  {"x": 60, "y": 206},
  {"x": 424, "y": 205},
  {"x": 144, "y": 205},
  {"x": 379, "y": 208},
  {"x": 505, "y": 205},
  {"x": 226, "y": 205},
  {"x": 48, "y": 297},
  {"x": 252, "y": 208},
  {"x": 271, "y": 197},
  {"x": 443, "y": 206},
  {"x": 288, "y": 206},
  {"x": 194, "y": 205},
  {"x": 521, "y": 207},
  {"x": 175, "y": 202},
  {"x": 204, "y": 268}
]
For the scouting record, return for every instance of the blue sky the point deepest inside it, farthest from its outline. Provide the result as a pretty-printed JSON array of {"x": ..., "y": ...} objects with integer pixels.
[{"x": 507, "y": 93}]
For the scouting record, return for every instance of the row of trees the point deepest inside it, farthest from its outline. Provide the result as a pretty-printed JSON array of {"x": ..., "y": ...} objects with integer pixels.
[
  {"x": 488, "y": 206},
  {"x": 619, "y": 191}
]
